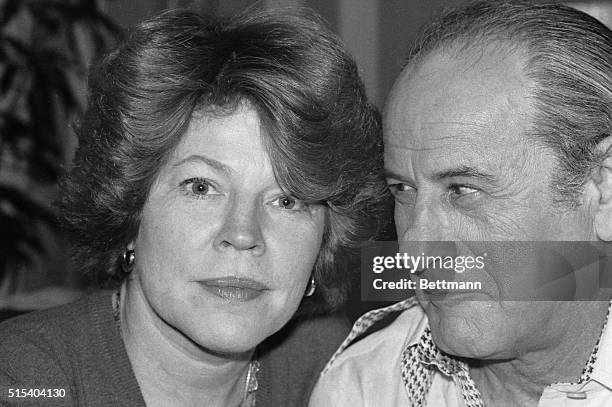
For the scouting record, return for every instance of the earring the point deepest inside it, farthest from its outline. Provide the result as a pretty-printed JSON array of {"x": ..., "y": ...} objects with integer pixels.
[
  {"x": 129, "y": 256},
  {"x": 312, "y": 287}
]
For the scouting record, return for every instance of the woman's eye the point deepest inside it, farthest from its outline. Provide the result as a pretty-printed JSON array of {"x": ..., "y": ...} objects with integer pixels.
[
  {"x": 290, "y": 203},
  {"x": 287, "y": 202},
  {"x": 198, "y": 187}
]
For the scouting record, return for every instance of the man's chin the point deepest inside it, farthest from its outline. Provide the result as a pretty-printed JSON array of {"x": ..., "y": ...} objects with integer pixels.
[{"x": 466, "y": 330}]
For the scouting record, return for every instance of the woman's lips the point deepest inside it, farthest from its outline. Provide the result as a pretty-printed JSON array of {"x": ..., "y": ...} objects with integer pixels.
[{"x": 234, "y": 289}]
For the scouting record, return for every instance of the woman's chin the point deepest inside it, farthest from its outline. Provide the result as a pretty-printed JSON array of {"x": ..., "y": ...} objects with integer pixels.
[
  {"x": 230, "y": 350},
  {"x": 230, "y": 336}
]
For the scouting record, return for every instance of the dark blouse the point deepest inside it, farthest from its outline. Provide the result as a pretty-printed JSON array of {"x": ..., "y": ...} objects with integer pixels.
[{"x": 78, "y": 347}]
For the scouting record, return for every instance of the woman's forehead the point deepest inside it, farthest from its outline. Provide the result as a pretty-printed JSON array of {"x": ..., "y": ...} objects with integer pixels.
[{"x": 229, "y": 144}]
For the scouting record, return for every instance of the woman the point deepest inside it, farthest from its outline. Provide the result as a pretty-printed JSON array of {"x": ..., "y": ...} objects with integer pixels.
[{"x": 226, "y": 170}]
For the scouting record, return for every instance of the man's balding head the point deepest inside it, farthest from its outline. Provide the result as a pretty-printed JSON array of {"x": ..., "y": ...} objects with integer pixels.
[{"x": 567, "y": 56}]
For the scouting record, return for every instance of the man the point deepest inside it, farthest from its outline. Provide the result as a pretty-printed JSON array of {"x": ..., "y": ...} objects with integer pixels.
[{"x": 498, "y": 129}]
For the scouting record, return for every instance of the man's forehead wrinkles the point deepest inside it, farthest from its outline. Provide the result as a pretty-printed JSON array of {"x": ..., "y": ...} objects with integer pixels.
[
  {"x": 445, "y": 129},
  {"x": 476, "y": 121},
  {"x": 407, "y": 147},
  {"x": 428, "y": 142}
]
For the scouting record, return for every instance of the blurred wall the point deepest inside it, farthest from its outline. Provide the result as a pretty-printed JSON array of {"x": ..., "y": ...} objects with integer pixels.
[
  {"x": 379, "y": 33},
  {"x": 600, "y": 9}
]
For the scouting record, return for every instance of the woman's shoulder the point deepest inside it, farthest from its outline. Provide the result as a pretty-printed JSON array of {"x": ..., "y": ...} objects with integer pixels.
[
  {"x": 64, "y": 322},
  {"x": 38, "y": 349},
  {"x": 302, "y": 338},
  {"x": 53, "y": 331}
]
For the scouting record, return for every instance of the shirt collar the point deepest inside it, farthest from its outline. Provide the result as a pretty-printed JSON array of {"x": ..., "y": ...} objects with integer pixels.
[
  {"x": 429, "y": 354},
  {"x": 418, "y": 364},
  {"x": 367, "y": 321},
  {"x": 599, "y": 368}
]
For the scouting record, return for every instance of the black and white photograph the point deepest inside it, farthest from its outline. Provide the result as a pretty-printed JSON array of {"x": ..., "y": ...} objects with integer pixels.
[{"x": 306, "y": 203}]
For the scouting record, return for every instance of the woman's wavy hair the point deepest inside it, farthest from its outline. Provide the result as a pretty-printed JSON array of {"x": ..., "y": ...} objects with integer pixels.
[{"x": 322, "y": 136}]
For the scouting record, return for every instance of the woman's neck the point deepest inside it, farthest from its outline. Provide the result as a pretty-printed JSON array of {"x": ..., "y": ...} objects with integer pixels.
[{"x": 171, "y": 369}]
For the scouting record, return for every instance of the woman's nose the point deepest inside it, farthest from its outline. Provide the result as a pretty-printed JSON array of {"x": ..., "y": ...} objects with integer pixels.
[{"x": 241, "y": 229}]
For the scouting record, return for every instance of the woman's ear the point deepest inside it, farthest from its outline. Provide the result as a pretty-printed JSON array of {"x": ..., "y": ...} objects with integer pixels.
[{"x": 602, "y": 202}]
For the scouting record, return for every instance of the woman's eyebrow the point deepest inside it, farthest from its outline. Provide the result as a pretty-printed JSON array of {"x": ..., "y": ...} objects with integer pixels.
[{"x": 217, "y": 165}]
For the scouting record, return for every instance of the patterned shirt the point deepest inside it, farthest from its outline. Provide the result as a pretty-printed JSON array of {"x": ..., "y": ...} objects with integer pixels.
[{"x": 400, "y": 365}]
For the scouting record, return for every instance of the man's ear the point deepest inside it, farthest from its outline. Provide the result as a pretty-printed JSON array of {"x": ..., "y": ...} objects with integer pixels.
[{"x": 602, "y": 202}]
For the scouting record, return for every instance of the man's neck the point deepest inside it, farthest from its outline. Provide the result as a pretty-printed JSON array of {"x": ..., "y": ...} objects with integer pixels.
[
  {"x": 176, "y": 372},
  {"x": 520, "y": 381}
]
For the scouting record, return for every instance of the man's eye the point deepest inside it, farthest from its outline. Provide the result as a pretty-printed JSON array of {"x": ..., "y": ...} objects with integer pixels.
[
  {"x": 400, "y": 187},
  {"x": 288, "y": 202},
  {"x": 403, "y": 193},
  {"x": 198, "y": 187},
  {"x": 461, "y": 190}
]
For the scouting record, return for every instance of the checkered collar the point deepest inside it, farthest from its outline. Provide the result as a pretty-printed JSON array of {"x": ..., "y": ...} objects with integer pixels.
[
  {"x": 429, "y": 354},
  {"x": 419, "y": 364}
]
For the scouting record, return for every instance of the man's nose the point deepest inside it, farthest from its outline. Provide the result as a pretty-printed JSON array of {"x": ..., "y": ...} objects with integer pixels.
[
  {"x": 241, "y": 229},
  {"x": 428, "y": 233},
  {"x": 425, "y": 224}
]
